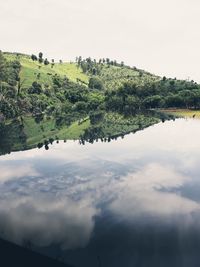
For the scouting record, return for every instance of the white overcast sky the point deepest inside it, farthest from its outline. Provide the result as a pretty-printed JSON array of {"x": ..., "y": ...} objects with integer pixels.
[{"x": 161, "y": 36}]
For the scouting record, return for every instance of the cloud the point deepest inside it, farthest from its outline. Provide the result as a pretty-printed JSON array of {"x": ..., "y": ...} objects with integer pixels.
[
  {"x": 47, "y": 221},
  {"x": 61, "y": 209},
  {"x": 149, "y": 191},
  {"x": 10, "y": 172}
]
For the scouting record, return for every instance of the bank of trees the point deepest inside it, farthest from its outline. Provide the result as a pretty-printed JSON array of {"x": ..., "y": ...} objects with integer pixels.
[
  {"x": 9, "y": 87},
  {"x": 166, "y": 93}
]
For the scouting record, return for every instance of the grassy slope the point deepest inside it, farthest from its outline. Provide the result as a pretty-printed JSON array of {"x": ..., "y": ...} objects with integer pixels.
[
  {"x": 30, "y": 70},
  {"x": 39, "y": 132},
  {"x": 112, "y": 125},
  {"x": 113, "y": 76}
]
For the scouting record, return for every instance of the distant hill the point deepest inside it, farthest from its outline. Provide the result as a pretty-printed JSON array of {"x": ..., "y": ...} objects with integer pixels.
[
  {"x": 111, "y": 75},
  {"x": 34, "y": 71}
]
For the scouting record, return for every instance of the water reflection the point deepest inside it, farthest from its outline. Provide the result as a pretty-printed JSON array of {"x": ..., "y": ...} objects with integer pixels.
[
  {"x": 44, "y": 220},
  {"x": 141, "y": 193},
  {"x": 133, "y": 202}
]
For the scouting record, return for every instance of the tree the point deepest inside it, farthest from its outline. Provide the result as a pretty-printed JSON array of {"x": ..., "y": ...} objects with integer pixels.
[
  {"x": 36, "y": 88},
  {"x": 52, "y": 63},
  {"x": 46, "y": 62},
  {"x": 81, "y": 106},
  {"x": 95, "y": 100},
  {"x": 108, "y": 61},
  {"x": 57, "y": 81},
  {"x": 40, "y": 60},
  {"x": 2, "y": 67},
  {"x": 188, "y": 97},
  {"x": 96, "y": 83},
  {"x": 34, "y": 57},
  {"x": 7, "y": 108},
  {"x": 96, "y": 117},
  {"x": 79, "y": 60},
  {"x": 174, "y": 100},
  {"x": 40, "y": 57},
  {"x": 84, "y": 66},
  {"x": 128, "y": 105},
  {"x": 94, "y": 71},
  {"x": 154, "y": 101}
]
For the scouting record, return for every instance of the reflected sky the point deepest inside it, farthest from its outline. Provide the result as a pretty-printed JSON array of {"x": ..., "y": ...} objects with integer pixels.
[{"x": 136, "y": 197}]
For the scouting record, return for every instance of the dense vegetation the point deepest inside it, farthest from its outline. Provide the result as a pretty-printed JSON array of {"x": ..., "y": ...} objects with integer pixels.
[{"x": 86, "y": 98}]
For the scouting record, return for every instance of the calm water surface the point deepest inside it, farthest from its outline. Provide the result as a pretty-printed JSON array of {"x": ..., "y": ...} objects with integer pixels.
[{"x": 131, "y": 202}]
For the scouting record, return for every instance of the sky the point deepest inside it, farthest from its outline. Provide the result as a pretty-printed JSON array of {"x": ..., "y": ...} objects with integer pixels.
[{"x": 160, "y": 36}]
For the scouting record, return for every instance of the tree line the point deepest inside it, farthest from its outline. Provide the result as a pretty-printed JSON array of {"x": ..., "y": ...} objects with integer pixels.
[{"x": 165, "y": 93}]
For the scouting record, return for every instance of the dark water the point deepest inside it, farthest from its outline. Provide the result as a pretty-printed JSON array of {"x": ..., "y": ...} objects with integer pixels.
[{"x": 131, "y": 202}]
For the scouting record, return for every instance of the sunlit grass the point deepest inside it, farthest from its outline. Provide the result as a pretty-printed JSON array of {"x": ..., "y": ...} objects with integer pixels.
[
  {"x": 38, "y": 132},
  {"x": 33, "y": 71}
]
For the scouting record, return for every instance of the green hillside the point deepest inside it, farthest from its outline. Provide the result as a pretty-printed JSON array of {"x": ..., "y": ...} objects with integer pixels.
[
  {"x": 115, "y": 76},
  {"x": 111, "y": 76},
  {"x": 34, "y": 71}
]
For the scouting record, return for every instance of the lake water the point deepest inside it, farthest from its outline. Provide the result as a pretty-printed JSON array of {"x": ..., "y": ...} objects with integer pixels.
[{"x": 130, "y": 202}]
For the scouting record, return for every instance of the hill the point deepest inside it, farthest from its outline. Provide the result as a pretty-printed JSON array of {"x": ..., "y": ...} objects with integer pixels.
[
  {"x": 87, "y": 99},
  {"x": 34, "y": 71},
  {"x": 111, "y": 75}
]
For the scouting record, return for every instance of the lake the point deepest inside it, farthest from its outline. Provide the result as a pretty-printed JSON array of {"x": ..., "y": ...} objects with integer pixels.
[{"x": 131, "y": 202}]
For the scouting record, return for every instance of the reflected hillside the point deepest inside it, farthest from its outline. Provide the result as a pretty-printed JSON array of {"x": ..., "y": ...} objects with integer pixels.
[{"x": 27, "y": 133}]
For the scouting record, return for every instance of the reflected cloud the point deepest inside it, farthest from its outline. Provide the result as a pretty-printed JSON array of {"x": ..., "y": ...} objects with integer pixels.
[
  {"x": 11, "y": 172},
  {"x": 46, "y": 221},
  {"x": 60, "y": 209},
  {"x": 148, "y": 192},
  {"x": 53, "y": 197}
]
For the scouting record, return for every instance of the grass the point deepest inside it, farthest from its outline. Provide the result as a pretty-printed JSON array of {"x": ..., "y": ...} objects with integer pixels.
[
  {"x": 31, "y": 69},
  {"x": 113, "y": 124},
  {"x": 74, "y": 131},
  {"x": 47, "y": 129},
  {"x": 116, "y": 124},
  {"x": 17, "y": 138},
  {"x": 37, "y": 133},
  {"x": 186, "y": 113},
  {"x": 114, "y": 77}
]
